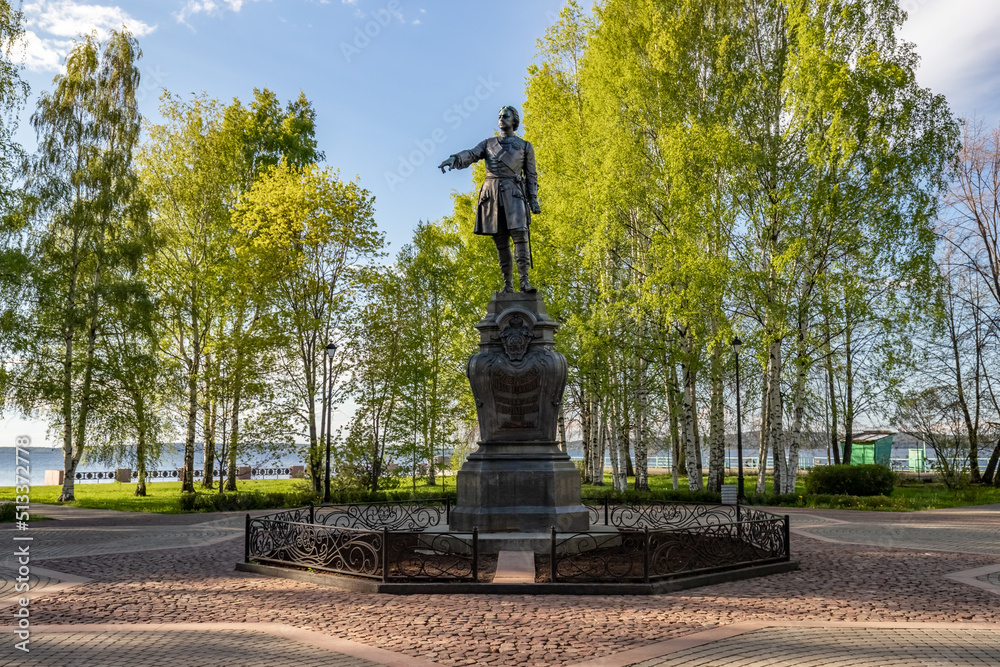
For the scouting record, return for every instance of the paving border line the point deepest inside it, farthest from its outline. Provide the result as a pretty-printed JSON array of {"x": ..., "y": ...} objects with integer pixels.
[
  {"x": 665, "y": 648},
  {"x": 969, "y": 577},
  {"x": 561, "y": 588},
  {"x": 66, "y": 582},
  {"x": 803, "y": 531},
  {"x": 310, "y": 637}
]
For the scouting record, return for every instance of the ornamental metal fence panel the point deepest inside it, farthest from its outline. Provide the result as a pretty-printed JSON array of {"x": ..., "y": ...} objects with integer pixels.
[
  {"x": 395, "y": 515},
  {"x": 649, "y": 555},
  {"x": 380, "y": 554}
]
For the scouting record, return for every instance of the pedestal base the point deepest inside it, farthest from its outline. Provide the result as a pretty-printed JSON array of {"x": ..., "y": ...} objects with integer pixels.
[{"x": 519, "y": 487}]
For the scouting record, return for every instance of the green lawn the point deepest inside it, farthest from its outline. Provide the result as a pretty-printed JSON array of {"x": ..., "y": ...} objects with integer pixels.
[{"x": 163, "y": 497}]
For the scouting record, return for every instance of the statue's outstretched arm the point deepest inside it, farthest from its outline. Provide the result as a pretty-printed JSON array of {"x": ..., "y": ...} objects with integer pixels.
[{"x": 463, "y": 159}]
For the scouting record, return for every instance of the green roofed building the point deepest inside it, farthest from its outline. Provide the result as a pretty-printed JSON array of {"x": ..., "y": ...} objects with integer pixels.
[{"x": 871, "y": 447}]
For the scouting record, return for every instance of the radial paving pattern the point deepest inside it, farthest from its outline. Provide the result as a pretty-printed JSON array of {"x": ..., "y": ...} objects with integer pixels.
[
  {"x": 178, "y": 648},
  {"x": 856, "y": 647}
]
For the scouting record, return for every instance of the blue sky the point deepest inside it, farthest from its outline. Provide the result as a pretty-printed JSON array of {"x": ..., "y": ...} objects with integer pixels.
[{"x": 398, "y": 85}]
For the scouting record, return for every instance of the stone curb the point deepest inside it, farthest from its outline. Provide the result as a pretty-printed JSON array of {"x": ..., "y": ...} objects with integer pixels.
[
  {"x": 697, "y": 639},
  {"x": 316, "y": 639},
  {"x": 969, "y": 577},
  {"x": 437, "y": 588},
  {"x": 66, "y": 582}
]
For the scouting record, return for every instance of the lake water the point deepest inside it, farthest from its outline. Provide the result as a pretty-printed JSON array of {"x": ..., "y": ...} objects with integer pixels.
[{"x": 44, "y": 458}]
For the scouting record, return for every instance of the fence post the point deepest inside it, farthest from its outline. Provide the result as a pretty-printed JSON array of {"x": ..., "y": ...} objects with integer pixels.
[
  {"x": 645, "y": 554},
  {"x": 739, "y": 520},
  {"x": 312, "y": 513},
  {"x": 475, "y": 553},
  {"x": 246, "y": 541},
  {"x": 788, "y": 541},
  {"x": 606, "y": 511},
  {"x": 447, "y": 510},
  {"x": 552, "y": 554},
  {"x": 385, "y": 554}
]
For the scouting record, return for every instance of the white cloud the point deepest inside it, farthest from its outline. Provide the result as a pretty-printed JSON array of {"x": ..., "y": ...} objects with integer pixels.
[
  {"x": 209, "y": 7},
  {"x": 67, "y": 18},
  {"x": 40, "y": 54},
  {"x": 51, "y": 26},
  {"x": 957, "y": 45}
]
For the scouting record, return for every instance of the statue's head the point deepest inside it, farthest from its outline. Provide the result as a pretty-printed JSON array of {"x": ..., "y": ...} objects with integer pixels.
[{"x": 515, "y": 117}]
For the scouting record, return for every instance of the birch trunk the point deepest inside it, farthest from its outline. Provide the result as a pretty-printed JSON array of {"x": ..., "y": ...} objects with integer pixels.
[
  {"x": 208, "y": 476},
  {"x": 234, "y": 426},
  {"x": 588, "y": 445},
  {"x": 641, "y": 444},
  {"x": 717, "y": 434},
  {"x": 774, "y": 419},
  {"x": 798, "y": 401},
  {"x": 562, "y": 428},
  {"x": 624, "y": 431},
  {"x": 612, "y": 434},
  {"x": 676, "y": 451},
  {"x": 763, "y": 438},
  {"x": 599, "y": 424},
  {"x": 690, "y": 440}
]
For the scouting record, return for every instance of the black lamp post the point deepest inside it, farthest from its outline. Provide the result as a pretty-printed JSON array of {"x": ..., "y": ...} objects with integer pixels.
[
  {"x": 737, "y": 346},
  {"x": 331, "y": 349}
]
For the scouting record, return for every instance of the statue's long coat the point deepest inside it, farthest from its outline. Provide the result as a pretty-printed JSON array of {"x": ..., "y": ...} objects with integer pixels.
[{"x": 511, "y": 181}]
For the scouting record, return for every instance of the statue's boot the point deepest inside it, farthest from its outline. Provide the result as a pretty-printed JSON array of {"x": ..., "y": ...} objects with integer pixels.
[
  {"x": 506, "y": 266},
  {"x": 523, "y": 262}
]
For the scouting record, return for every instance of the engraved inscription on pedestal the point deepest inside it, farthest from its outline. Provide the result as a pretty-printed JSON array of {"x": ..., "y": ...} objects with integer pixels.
[{"x": 516, "y": 396}]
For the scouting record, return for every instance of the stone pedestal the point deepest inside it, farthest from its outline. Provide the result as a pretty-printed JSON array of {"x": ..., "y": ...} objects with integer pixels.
[{"x": 518, "y": 480}]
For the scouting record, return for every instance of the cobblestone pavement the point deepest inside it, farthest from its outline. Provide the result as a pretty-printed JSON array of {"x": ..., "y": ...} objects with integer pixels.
[
  {"x": 838, "y": 582},
  {"x": 857, "y": 647}
]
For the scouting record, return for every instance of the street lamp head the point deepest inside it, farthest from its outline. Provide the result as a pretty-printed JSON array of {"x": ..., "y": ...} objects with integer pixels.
[
  {"x": 737, "y": 344},
  {"x": 331, "y": 349}
]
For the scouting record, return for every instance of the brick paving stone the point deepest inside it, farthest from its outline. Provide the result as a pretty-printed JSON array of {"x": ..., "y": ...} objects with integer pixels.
[
  {"x": 179, "y": 648},
  {"x": 837, "y": 582},
  {"x": 856, "y": 647}
]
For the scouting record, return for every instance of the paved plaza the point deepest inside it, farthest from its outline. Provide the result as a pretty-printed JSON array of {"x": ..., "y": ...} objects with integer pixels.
[{"x": 112, "y": 588}]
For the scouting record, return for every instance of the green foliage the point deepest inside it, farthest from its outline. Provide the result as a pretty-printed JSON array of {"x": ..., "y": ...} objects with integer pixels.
[
  {"x": 7, "y": 512},
  {"x": 91, "y": 239},
  {"x": 243, "y": 501},
  {"x": 851, "y": 480}
]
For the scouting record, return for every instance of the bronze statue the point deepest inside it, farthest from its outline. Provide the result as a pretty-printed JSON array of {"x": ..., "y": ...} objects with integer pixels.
[{"x": 508, "y": 196}]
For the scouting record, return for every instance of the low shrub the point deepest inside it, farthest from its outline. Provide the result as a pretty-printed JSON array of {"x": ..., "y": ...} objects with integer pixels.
[
  {"x": 862, "y": 480},
  {"x": 7, "y": 512},
  {"x": 592, "y": 495},
  {"x": 242, "y": 501},
  {"x": 255, "y": 500}
]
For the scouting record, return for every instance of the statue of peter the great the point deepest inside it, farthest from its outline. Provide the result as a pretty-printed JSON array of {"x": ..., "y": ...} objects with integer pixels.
[{"x": 508, "y": 196}]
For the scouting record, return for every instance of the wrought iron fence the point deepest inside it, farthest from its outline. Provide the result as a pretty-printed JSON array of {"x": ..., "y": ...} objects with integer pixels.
[
  {"x": 660, "y": 540},
  {"x": 394, "y": 515},
  {"x": 389, "y": 542},
  {"x": 672, "y": 515},
  {"x": 379, "y": 554},
  {"x": 650, "y": 555}
]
